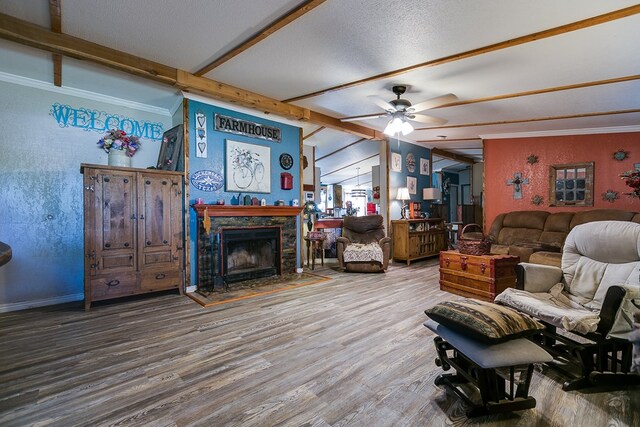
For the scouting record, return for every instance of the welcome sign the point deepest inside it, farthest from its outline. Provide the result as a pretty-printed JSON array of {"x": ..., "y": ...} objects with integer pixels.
[{"x": 100, "y": 121}]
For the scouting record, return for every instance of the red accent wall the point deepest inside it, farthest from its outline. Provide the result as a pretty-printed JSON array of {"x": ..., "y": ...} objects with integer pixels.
[{"x": 504, "y": 157}]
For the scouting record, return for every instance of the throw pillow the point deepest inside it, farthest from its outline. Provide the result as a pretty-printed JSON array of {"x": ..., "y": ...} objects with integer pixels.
[{"x": 483, "y": 321}]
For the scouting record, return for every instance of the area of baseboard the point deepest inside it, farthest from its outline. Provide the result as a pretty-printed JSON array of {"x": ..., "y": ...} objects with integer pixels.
[{"x": 23, "y": 305}]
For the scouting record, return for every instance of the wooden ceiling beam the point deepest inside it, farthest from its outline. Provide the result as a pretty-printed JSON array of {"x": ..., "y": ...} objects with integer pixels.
[
  {"x": 320, "y": 129},
  {"x": 263, "y": 34},
  {"x": 342, "y": 148},
  {"x": 538, "y": 119},
  {"x": 349, "y": 165},
  {"x": 452, "y": 156},
  {"x": 563, "y": 29},
  {"x": 29, "y": 34},
  {"x": 55, "y": 14}
]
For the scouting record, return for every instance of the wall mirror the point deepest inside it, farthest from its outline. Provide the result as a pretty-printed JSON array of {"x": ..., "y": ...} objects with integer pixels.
[{"x": 571, "y": 184}]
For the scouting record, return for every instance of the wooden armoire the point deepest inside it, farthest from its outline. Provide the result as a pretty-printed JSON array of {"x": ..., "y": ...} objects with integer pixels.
[{"x": 133, "y": 231}]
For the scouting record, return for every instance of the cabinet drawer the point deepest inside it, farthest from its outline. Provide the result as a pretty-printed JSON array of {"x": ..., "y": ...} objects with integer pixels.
[
  {"x": 115, "y": 285},
  {"x": 156, "y": 280}
]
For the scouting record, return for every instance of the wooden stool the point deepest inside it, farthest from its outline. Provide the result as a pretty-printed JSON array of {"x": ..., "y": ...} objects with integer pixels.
[
  {"x": 313, "y": 243},
  {"x": 501, "y": 372}
]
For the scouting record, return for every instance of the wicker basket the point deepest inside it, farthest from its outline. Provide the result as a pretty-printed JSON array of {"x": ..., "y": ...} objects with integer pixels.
[{"x": 474, "y": 246}]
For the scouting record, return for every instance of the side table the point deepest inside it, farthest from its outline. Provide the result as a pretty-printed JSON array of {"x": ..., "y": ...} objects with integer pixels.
[{"x": 313, "y": 244}]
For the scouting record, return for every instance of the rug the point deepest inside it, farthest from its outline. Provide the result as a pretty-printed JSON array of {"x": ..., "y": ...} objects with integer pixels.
[{"x": 255, "y": 288}]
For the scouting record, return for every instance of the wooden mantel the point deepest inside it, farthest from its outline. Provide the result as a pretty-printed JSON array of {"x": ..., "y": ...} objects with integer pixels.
[{"x": 226, "y": 210}]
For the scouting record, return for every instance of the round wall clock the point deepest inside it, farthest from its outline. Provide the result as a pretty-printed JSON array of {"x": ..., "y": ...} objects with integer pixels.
[{"x": 286, "y": 161}]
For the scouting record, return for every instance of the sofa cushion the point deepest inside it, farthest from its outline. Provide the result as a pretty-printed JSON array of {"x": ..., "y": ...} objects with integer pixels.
[
  {"x": 553, "y": 238},
  {"x": 559, "y": 221},
  {"x": 482, "y": 320},
  {"x": 600, "y": 215},
  {"x": 511, "y": 235},
  {"x": 525, "y": 219}
]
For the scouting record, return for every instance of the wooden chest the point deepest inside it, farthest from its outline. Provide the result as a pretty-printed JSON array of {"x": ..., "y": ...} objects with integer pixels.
[{"x": 477, "y": 276}]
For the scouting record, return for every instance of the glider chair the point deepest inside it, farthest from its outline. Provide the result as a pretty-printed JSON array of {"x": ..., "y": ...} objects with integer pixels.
[
  {"x": 363, "y": 246},
  {"x": 587, "y": 305}
]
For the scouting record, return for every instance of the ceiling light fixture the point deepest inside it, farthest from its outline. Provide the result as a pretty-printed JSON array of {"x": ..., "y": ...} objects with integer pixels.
[
  {"x": 358, "y": 192},
  {"x": 398, "y": 124}
]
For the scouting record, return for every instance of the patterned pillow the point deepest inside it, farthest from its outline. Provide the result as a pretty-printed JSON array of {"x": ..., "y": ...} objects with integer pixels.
[{"x": 483, "y": 321}]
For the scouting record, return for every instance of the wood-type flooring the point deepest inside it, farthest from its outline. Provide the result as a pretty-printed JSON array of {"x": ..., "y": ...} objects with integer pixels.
[{"x": 352, "y": 351}]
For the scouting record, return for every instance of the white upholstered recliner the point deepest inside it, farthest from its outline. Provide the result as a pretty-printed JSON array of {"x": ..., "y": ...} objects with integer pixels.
[{"x": 594, "y": 294}]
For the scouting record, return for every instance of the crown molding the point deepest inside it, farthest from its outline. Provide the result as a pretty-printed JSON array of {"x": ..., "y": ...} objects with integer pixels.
[
  {"x": 563, "y": 132},
  {"x": 81, "y": 93}
]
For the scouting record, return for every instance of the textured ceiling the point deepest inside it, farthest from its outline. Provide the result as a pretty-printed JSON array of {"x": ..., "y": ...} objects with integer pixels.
[{"x": 342, "y": 41}]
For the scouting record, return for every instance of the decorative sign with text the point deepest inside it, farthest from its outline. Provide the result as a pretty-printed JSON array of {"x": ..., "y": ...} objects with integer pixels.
[
  {"x": 246, "y": 128},
  {"x": 100, "y": 121}
]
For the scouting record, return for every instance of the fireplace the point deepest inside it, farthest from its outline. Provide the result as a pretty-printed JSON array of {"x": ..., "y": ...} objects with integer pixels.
[{"x": 249, "y": 253}]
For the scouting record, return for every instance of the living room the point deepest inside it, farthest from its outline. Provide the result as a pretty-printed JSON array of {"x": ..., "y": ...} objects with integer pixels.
[{"x": 307, "y": 88}]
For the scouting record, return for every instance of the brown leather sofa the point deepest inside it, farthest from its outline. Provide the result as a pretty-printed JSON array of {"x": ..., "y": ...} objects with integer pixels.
[
  {"x": 364, "y": 230},
  {"x": 538, "y": 236}
]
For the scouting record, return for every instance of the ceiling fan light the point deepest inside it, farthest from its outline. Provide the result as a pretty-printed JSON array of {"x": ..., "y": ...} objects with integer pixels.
[
  {"x": 406, "y": 128},
  {"x": 394, "y": 126}
]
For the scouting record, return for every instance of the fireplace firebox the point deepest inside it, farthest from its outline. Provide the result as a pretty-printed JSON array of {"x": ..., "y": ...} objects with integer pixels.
[{"x": 249, "y": 253}]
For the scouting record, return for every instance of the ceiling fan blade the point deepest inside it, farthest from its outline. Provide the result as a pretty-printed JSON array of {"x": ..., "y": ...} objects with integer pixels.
[
  {"x": 387, "y": 106},
  {"x": 363, "y": 117},
  {"x": 433, "y": 103},
  {"x": 430, "y": 120}
]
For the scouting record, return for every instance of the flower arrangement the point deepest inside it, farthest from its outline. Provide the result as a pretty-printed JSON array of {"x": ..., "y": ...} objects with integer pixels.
[
  {"x": 119, "y": 140},
  {"x": 632, "y": 179}
]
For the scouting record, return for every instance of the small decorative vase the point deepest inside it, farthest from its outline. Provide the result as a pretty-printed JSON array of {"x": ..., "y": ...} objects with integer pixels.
[
  {"x": 119, "y": 158},
  {"x": 310, "y": 223}
]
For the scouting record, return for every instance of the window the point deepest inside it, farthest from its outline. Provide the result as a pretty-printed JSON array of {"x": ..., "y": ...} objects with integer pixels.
[{"x": 571, "y": 184}]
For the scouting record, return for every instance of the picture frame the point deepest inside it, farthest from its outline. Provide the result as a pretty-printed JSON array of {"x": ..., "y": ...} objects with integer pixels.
[
  {"x": 425, "y": 167},
  {"x": 308, "y": 195},
  {"x": 396, "y": 162},
  {"x": 248, "y": 167},
  {"x": 412, "y": 184},
  {"x": 170, "y": 157}
]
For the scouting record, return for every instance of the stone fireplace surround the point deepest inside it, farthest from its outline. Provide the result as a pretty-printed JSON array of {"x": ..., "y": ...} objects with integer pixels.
[{"x": 223, "y": 216}]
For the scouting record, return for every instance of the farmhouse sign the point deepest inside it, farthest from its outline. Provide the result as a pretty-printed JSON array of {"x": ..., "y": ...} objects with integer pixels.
[
  {"x": 246, "y": 128},
  {"x": 100, "y": 121}
]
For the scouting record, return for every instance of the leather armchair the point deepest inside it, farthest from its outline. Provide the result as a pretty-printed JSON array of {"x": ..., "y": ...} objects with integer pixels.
[{"x": 363, "y": 230}]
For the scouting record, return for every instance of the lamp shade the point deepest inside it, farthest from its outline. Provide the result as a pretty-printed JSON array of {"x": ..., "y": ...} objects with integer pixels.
[
  {"x": 431, "y": 194},
  {"x": 403, "y": 194}
]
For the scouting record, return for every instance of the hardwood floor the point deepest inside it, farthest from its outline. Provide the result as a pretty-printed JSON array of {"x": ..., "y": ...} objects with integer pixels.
[{"x": 351, "y": 351}]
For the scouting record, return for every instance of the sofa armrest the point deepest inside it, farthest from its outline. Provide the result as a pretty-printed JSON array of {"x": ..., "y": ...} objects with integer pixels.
[
  {"x": 341, "y": 244},
  {"x": 610, "y": 306},
  {"x": 385, "y": 244},
  {"x": 537, "y": 277}
]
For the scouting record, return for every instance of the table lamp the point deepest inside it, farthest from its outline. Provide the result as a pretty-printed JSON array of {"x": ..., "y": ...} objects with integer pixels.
[
  {"x": 403, "y": 195},
  {"x": 431, "y": 194}
]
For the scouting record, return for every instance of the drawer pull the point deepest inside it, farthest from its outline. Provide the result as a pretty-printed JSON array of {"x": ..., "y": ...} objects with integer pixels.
[
  {"x": 160, "y": 276},
  {"x": 483, "y": 267},
  {"x": 126, "y": 245},
  {"x": 148, "y": 242},
  {"x": 113, "y": 282},
  {"x": 164, "y": 242},
  {"x": 107, "y": 245}
]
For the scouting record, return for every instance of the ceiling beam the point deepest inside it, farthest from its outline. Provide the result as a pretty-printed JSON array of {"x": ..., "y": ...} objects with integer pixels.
[
  {"x": 450, "y": 140},
  {"x": 263, "y": 34},
  {"x": 55, "y": 15},
  {"x": 349, "y": 165},
  {"x": 551, "y": 32},
  {"x": 450, "y": 155},
  {"x": 342, "y": 148},
  {"x": 538, "y": 119},
  {"x": 320, "y": 129},
  {"x": 29, "y": 34}
]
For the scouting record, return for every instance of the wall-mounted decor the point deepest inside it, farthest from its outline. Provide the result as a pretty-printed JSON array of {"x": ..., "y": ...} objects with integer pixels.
[
  {"x": 632, "y": 179},
  {"x": 636, "y": 166},
  {"x": 424, "y": 166},
  {"x": 201, "y": 135},
  {"x": 246, "y": 128},
  {"x": 610, "y": 196},
  {"x": 411, "y": 163},
  {"x": 571, "y": 184},
  {"x": 537, "y": 200},
  {"x": 248, "y": 167},
  {"x": 171, "y": 150},
  {"x": 620, "y": 155},
  {"x": 286, "y": 161},
  {"x": 396, "y": 162},
  {"x": 207, "y": 180},
  {"x": 412, "y": 184},
  {"x": 518, "y": 181},
  {"x": 532, "y": 159},
  {"x": 308, "y": 195}
]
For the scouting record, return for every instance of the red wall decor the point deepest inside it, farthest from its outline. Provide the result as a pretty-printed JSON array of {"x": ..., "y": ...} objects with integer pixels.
[{"x": 504, "y": 156}]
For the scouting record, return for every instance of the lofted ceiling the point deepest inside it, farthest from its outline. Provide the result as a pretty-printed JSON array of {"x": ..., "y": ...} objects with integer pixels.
[{"x": 518, "y": 67}]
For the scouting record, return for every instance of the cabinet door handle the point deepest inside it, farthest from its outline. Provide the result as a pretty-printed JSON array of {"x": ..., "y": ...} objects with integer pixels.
[
  {"x": 113, "y": 282},
  {"x": 126, "y": 245},
  {"x": 148, "y": 242},
  {"x": 107, "y": 245},
  {"x": 164, "y": 242},
  {"x": 160, "y": 276}
]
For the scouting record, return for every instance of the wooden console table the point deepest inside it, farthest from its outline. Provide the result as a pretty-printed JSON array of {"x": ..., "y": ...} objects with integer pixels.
[{"x": 477, "y": 276}]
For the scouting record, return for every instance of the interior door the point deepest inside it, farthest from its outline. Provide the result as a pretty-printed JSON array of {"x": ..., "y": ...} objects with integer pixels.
[{"x": 453, "y": 203}]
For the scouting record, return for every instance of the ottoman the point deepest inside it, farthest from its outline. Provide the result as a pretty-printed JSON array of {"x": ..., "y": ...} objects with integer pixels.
[{"x": 500, "y": 372}]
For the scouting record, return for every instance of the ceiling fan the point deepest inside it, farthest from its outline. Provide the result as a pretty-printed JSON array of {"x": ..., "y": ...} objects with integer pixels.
[{"x": 401, "y": 111}]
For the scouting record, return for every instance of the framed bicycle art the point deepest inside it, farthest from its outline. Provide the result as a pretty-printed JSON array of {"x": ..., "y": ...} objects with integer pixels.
[{"x": 248, "y": 168}]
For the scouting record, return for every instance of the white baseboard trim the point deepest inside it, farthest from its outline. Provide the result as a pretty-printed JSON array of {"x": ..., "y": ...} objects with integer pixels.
[
  {"x": 191, "y": 289},
  {"x": 23, "y": 305}
]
